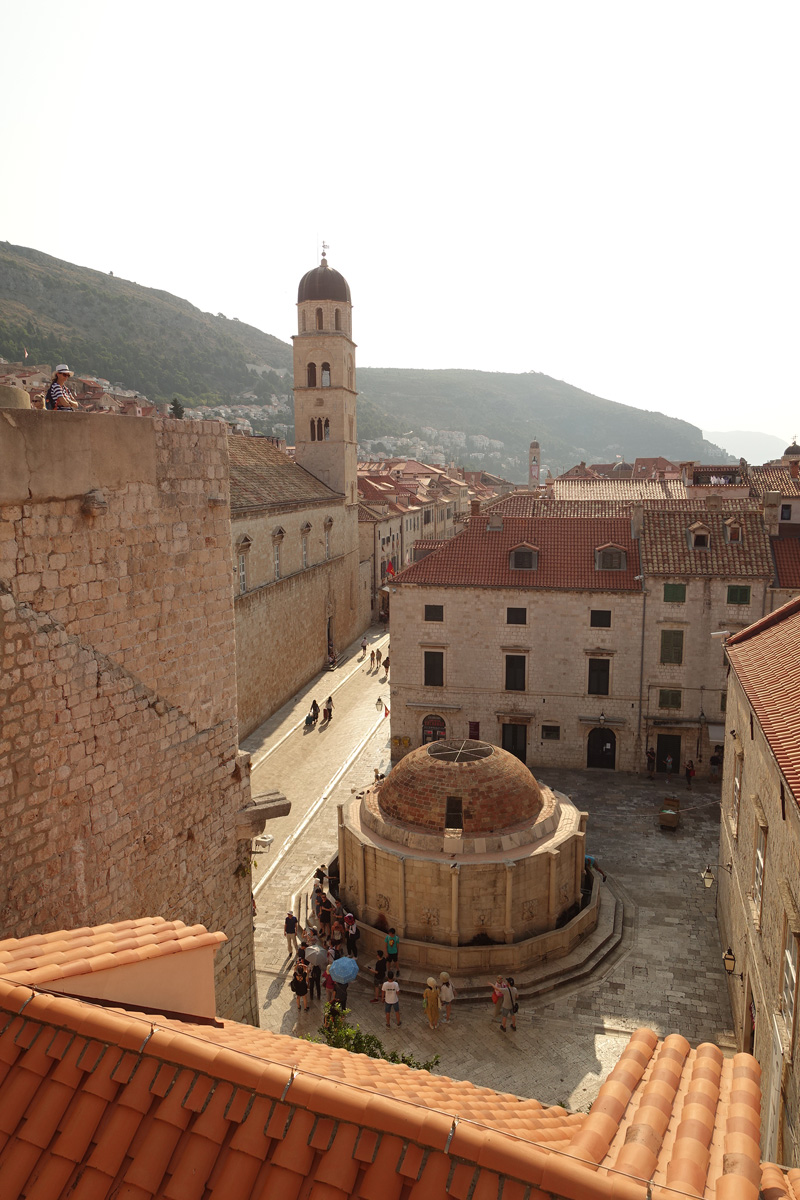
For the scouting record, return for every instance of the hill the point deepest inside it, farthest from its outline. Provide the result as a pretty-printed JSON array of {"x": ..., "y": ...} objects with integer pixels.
[{"x": 163, "y": 346}]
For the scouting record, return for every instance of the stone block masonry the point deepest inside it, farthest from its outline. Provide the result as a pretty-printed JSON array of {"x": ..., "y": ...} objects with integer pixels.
[{"x": 120, "y": 776}]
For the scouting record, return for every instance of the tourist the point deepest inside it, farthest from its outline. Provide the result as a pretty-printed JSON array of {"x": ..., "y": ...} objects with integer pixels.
[
  {"x": 590, "y": 864},
  {"x": 386, "y": 665},
  {"x": 290, "y": 931},
  {"x": 510, "y": 1004},
  {"x": 447, "y": 993},
  {"x": 651, "y": 762},
  {"x": 688, "y": 771},
  {"x": 352, "y": 933},
  {"x": 715, "y": 762},
  {"x": 315, "y": 718},
  {"x": 329, "y": 986},
  {"x": 392, "y": 943},
  {"x": 58, "y": 396},
  {"x": 372, "y": 660},
  {"x": 430, "y": 1000},
  {"x": 327, "y": 710},
  {"x": 320, "y": 874},
  {"x": 364, "y": 647},
  {"x": 497, "y": 998},
  {"x": 299, "y": 985},
  {"x": 379, "y": 971},
  {"x": 378, "y": 659},
  {"x": 391, "y": 999},
  {"x": 325, "y": 914},
  {"x": 668, "y": 767}
]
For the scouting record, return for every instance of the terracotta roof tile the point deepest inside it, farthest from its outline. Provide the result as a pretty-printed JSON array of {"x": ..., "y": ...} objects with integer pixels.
[
  {"x": 786, "y": 552},
  {"x": 766, "y": 659},
  {"x": 666, "y": 548},
  {"x": 264, "y": 477},
  {"x": 526, "y": 504},
  {"x": 618, "y": 489},
  {"x": 45, "y": 958},
  {"x": 479, "y": 556},
  {"x": 773, "y": 479}
]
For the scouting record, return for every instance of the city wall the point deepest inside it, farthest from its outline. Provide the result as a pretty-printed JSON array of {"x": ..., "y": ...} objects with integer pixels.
[{"x": 120, "y": 777}]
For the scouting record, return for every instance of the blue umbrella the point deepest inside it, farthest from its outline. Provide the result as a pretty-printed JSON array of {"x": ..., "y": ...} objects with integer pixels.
[{"x": 343, "y": 970}]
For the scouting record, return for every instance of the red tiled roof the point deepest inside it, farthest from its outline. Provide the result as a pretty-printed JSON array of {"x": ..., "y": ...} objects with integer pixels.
[
  {"x": 99, "y": 1103},
  {"x": 479, "y": 557},
  {"x": 264, "y": 477},
  {"x": 773, "y": 479},
  {"x": 44, "y": 958},
  {"x": 786, "y": 551},
  {"x": 618, "y": 489},
  {"x": 766, "y": 659},
  {"x": 526, "y": 504},
  {"x": 666, "y": 550}
]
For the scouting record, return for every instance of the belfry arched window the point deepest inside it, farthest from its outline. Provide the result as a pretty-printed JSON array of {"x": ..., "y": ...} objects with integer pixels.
[
  {"x": 319, "y": 318},
  {"x": 311, "y": 372},
  {"x": 319, "y": 429},
  {"x": 327, "y": 428},
  {"x": 313, "y": 430},
  {"x": 303, "y": 321},
  {"x": 325, "y": 378},
  {"x": 337, "y": 319}
]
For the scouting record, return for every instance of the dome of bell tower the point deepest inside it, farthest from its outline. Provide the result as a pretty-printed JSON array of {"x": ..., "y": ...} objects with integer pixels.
[{"x": 323, "y": 283}]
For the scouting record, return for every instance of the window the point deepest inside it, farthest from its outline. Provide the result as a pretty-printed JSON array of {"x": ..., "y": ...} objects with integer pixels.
[
  {"x": 516, "y": 616},
  {"x": 474, "y": 731},
  {"x": 242, "y": 573},
  {"x": 276, "y": 559},
  {"x": 610, "y": 558},
  {"x": 515, "y": 672},
  {"x": 733, "y": 532},
  {"x": 758, "y": 872},
  {"x": 325, "y": 375},
  {"x": 669, "y": 698},
  {"x": 697, "y": 537},
  {"x": 319, "y": 318},
  {"x": 523, "y": 559},
  {"x": 303, "y": 321},
  {"x": 551, "y": 733},
  {"x": 737, "y": 793},
  {"x": 675, "y": 593},
  {"x": 786, "y": 512},
  {"x": 311, "y": 375},
  {"x": 434, "y": 612},
  {"x": 672, "y": 645},
  {"x": 337, "y": 319},
  {"x": 434, "y": 668},
  {"x": 304, "y": 548},
  {"x": 599, "y": 672},
  {"x": 433, "y": 729},
  {"x": 738, "y": 595},
  {"x": 327, "y": 430},
  {"x": 426, "y": 517},
  {"x": 600, "y": 618},
  {"x": 723, "y": 701},
  {"x": 453, "y": 814},
  {"x": 313, "y": 430},
  {"x": 789, "y": 987},
  {"x": 327, "y": 541}
]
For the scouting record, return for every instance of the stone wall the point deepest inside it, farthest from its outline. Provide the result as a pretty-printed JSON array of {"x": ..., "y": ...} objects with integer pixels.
[
  {"x": 121, "y": 776},
  {"x": 756, "y": 928}
]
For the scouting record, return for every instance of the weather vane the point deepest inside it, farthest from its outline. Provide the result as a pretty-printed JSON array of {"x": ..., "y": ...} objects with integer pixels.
[{"x": 325, "y": 249}]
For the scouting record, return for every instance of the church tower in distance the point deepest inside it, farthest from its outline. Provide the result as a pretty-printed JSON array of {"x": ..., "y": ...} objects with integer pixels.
[{"x": 325, "y": 381}]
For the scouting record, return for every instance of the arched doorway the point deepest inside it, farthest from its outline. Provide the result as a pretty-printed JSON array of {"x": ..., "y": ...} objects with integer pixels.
[
  {"x": 601, "y": 749},
  {"x": 433, "y": 729}
]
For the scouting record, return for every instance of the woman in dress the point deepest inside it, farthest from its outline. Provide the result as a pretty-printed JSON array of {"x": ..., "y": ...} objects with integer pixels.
[
  {"x": 299, "y": 985},
  {"x": 430, "y": 998}
]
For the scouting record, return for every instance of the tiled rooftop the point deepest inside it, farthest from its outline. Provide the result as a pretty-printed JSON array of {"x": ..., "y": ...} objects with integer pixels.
[
  {"x": 264, "y": 477},
  {"x": 98, "y": 1103},
  {"x": 525, "y": 504},
  {"x": 479, "y": 557},
  {"x": 619, "y": 489},
  {"x": 45, "y": 958},
  {"x": 766, "y": 659},
  {"x": 786, "y": 552},
  {"x": 666, "y": 549},
  {"x": 773, "y": 479}
]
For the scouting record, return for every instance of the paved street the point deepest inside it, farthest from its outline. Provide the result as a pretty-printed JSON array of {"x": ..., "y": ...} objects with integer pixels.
[{"x": 667, "y": 973}]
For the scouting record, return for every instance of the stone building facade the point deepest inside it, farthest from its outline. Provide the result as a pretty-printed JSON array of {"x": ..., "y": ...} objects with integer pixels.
[
  {"x": 758, "y": 875},
  {"x": 122, "y": 784}
]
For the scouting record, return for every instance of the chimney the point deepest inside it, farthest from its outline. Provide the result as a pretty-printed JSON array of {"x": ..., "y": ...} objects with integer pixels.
[
  {"x": 474, "y": 508},
  {"x": 714, "y": 503},
  {"x": 637, "y": 520},
  {"x": 794, "y": 468},
  {"x": 495, "y": 523}
]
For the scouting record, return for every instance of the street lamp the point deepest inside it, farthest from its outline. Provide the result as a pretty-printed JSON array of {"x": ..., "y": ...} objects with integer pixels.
[
  {"x": 729, "y": 963},
  {"x": 707, "y": 876}
]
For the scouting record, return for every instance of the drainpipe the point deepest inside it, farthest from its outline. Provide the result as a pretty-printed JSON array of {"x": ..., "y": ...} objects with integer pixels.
[{"x": 641, "y": 669}]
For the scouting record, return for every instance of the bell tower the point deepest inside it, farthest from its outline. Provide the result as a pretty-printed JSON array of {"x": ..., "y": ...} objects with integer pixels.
[{"x": 325, "y": 381}]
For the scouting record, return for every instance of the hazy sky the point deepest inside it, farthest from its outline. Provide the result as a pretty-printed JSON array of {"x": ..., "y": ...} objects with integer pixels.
[{"x": 603, "y": 191}]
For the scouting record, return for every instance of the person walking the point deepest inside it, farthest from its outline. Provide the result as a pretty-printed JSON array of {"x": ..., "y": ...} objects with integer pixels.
[
  {"x": 299, "y": 985},
  {"x": 430, "y": 998},
  {"x": 651, "y": 762},
  {"x": 510, "y": 1004},
  {"x": 391, "y": 999},
  {"x": 363, "y": 647},
  {"x": 327, "y": 710},
  {"x": 689, "y": 773},
  {"x": 497, "y": 998},
  {"x": 668, "y": 767},
  {"x": 372, "y": 660},
  {"x": 378, "y": 659},
  {"x": 386, "y": 665},
  {"x": 290, "y": 932},
  {"x": 447, "y": 994},
  {"x": 351, "y": 933},
  {"x": 314, "y": 711},
  {"x": 325, "y": 914}
]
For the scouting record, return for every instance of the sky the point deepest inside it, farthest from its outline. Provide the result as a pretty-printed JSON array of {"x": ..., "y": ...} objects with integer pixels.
[{"x": 603, "y": 192}]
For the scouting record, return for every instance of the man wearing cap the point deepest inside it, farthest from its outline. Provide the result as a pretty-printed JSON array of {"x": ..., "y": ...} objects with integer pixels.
[
  {"x": 290, "y": 931},
  {"x": 58, "y": 394}
]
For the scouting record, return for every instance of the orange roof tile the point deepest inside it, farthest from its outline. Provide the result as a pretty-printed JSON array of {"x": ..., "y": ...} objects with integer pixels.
[
  {"x": 262, "y": 476},
  {"x": 666, "y": 547},
  {"x": 618, "y": 489},
  {"x": 479, "y": 556},
  {"x": 45, "y": 958},
  {"x": 766, "y": 659},
  {"x": 773, "y": 479},
  {"x": 786, "y": 552},
  {"x": 526, "y": 504},
  {"x": 96, "y": 1103}
]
